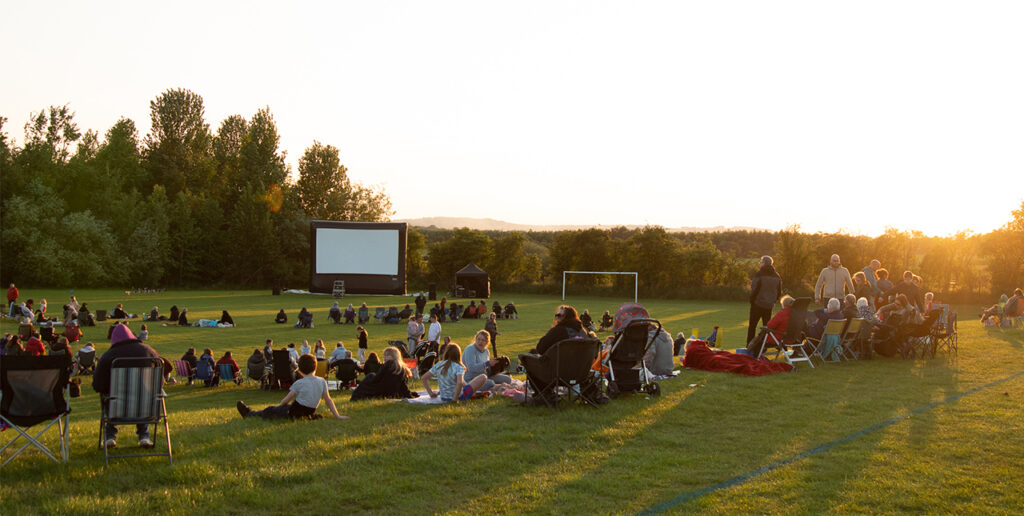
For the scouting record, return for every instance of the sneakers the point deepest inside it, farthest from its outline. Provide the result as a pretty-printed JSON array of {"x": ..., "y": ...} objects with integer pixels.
[
  {"x": 243, "y": 409},
  {"x": 110, "y": 443},
  {"x": 146, "y": 442}
]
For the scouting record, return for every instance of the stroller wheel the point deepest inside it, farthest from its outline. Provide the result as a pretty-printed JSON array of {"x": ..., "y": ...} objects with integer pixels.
[
  {"x": 654, "y": 389},
  {"x": 613, "y": 389}
]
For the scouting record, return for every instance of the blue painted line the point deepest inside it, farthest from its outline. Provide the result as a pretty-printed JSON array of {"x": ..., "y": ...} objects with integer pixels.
[{"x": 685, "y": 497}]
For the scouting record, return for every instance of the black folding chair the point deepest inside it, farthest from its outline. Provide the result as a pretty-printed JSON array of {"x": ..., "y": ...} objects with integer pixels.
[
  {"x": 345, "y": 372},
  {"x": 136, "y": 397},
  {"x": 791, "y": 344},
  {"x": 565, "y": 365},
  {"x": 918, "y": 341},
  {"x": 946, "y": 337},
  {"x": 283, "y": 374},
  {"x": 35, "y": 389},
  {"x": 86, "y": 362}
]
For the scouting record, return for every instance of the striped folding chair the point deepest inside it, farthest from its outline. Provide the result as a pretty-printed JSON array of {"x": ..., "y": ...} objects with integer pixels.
[
  {"x": 181, "y": 369},
  {"x": 136, "y": 397},
  {"x": 829, "y": 347},
  {"x": 34, "y": 391}
]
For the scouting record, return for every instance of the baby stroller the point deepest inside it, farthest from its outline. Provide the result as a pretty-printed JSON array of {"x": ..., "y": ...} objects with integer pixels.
[
  {"x": 625, "y": 359},
  {"x": 425, "y": 355}
]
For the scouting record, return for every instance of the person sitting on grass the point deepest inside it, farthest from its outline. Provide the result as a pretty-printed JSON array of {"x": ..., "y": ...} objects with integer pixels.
[
  {"x": 183, "y": 317},
  {"x": 154, "y": 314},
  {"x": 85, "y": 318},
  {"x": 173, "y": 317},
  {"x": 303, "y": 397},
  {"x": 72, "y": 331},
  {"x": 477, "y": 361},
  {"x": 305, "y": 350},
  {"x": 60, "y": 347},
  {"x": 235, "y": 370},
  {"x": 449, "y": 373},
  {"x": 225, "y": 318},
  {"x": 305, "y": 319},
  {"x": 34, "y": 346},
  {"x": 281, "y": 317},
  {"x": 319, "y": 350},
  {"x": 144, "y": 333},
  {"x": 389, "y": 380},
  {"x": 510, "y": 311},
  {"x": 587, "y": 321},
  {"x": 118, "y": 312}
]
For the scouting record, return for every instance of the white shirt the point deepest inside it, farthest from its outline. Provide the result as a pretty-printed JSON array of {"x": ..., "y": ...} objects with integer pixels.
[
  {"x": 309, "y": 390},
  {"x": 305, "y": 349},
  {"x": 435, "y": 332}
]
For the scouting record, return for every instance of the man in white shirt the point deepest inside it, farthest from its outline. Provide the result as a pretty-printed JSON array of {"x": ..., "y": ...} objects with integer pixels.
[{"x": 434, "y": 334}]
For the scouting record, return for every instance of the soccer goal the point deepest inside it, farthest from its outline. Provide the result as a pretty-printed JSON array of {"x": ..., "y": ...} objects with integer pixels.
[{"x": 565, "y": 274}]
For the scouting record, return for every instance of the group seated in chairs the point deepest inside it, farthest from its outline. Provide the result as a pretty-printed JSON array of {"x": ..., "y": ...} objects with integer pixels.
[{"x": 853, "y": 332}]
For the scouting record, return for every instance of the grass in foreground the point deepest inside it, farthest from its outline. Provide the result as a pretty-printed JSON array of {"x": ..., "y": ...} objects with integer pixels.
[{"x": 495, "y": 456}]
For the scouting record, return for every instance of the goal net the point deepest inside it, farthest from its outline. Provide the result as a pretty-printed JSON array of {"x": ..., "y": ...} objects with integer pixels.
[{"x": 565, "y": 275}]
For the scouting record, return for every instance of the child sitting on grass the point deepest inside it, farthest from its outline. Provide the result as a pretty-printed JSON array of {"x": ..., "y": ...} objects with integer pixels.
[
  {"x": 303, "y": 397},
  {"x": 449, "y": 377}
]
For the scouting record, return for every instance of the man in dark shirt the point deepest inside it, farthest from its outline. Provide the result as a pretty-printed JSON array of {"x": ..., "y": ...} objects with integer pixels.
[
  {"x": 909, "y": 289},
  {"x": 123, "y": 344}
]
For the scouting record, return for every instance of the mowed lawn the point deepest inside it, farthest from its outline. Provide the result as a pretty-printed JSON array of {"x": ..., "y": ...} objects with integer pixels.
[{"x": 753, "y": 445}]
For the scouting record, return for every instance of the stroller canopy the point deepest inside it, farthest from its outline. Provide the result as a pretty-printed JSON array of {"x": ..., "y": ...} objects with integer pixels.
[{"x": 627, "y": 313}]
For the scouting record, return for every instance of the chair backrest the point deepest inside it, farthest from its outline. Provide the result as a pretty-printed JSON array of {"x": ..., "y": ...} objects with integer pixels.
[
  {"x": 282, "y": 365},
  {"x": 346, "y": 370},
  {"x": 852, "y": 330},
  {"x": 25, "y": 330},
  {"x": 181, "y": 368},
  {"x": 925, "y": 327},
  {"x": 203, "y": 370},
  {"x": 101, "y": 315},
  {"x": 834, "y": 327},
  {"x": 571, "y": 359},
  {"x": 86, "y": 358},
  {"x": 33, "y": 388},
  {"x": 136, "y": 387},
  {"x": 321, "y": 368},
  {"x": 225, "y": 371},
  {"x": 797, "y": 319}
]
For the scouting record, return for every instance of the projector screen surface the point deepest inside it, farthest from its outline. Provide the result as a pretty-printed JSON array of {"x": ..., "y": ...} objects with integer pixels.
[{"x": 357, "y": 251}]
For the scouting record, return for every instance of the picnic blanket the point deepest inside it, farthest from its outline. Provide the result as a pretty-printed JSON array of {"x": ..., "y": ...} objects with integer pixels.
[
  {"x": 425, "y": 399},
  {"x": 700, "y": 356}
]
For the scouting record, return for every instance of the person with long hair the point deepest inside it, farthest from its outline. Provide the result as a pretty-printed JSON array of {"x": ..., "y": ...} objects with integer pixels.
[
  {"x": 566, "y": 326},
  {"x": 363, "y": 339},
  {"x": 391, "y": 381},
  {"x": 449, "y": 373}
]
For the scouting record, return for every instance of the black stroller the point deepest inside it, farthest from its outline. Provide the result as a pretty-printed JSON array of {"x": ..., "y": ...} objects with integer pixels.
[
  {"x": 625, "y": 359},
  {"x": 425, "y": 355}
]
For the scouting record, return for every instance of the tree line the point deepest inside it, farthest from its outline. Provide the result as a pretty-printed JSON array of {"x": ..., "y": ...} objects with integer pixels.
[{"x": 185, "y": 206}]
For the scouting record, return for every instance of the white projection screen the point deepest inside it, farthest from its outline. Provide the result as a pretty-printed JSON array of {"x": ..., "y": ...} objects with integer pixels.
[{"x": 368, "y": 256}]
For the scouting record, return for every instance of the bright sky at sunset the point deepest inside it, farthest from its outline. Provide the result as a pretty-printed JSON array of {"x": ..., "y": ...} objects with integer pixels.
[{"x": 831, "y": 115}]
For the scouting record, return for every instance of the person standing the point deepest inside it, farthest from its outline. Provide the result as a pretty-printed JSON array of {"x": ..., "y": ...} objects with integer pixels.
[
  {"x": 491, "y": 326},
  {"x": 12, "y": 300},
  {"x": 434, "y": 332},
  {"x": 871, "y": 274},
  {"x": 834, "y": 281},
  {"x": 765, "y": 291}
]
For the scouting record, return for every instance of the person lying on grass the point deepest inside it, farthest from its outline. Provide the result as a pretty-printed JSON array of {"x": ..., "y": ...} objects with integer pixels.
[
  {"x": 303, "y": 397},
  {"x": 449, "y": 377}
]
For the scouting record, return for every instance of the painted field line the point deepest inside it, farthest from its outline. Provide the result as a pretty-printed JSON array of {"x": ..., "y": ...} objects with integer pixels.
[{"x": 690, "y": 495}]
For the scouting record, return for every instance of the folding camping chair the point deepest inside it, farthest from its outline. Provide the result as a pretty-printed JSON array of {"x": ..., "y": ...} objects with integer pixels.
[
  {"x": 256, "y": 374},
  {"x": 829, "y": 347},
  {"x": 380, "y": 313},
  {"x": 34, "y": 390},
  {"x": 136, "y": 397},
  {"x": 850, "y": 339},
  {"x": 182, "y": 370},
  {"x": 101, "y": 315},
  {"x": 283, "y": 375},
  {"x": 566, "y": 364},
  {"x": 86, "y": 362},
  {"x": 226, "y": 374},
  {"x": 946, "y": 337},
  {"x": 790, "y": 344},
  {"x": 918, "y": 341},
  {"x": 345, "y": 372}
]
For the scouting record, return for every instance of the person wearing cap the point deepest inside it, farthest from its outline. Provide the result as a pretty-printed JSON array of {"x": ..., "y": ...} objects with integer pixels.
[{"x": 123, "y": 344}]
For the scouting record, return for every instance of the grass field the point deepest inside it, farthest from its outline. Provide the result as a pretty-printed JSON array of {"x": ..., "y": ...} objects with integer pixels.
[{"x": 822, "y": 440}]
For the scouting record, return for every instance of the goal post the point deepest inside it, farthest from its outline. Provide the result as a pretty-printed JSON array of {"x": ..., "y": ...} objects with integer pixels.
[{"x": 636, "y": 278}]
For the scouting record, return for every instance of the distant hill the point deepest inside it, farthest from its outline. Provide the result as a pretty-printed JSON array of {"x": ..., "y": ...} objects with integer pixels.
[{"x": 500, "y": 225}]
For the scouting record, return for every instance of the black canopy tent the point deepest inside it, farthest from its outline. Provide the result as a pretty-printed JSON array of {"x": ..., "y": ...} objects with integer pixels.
[{"x": 473, "y": 278}]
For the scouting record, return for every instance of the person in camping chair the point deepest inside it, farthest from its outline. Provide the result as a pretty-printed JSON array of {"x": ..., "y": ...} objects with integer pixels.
[{"x": 123, "y": 344}]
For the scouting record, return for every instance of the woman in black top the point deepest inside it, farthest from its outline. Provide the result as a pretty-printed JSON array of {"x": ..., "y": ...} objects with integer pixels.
[
  {"x": 363, "y": 344},
  {"x": 191, "y": 359},
  {"x": 567, "y": 325},
  {"x": 183, "y": 317},
  {"x": 390, "y": 382},
  {"x": 281, "y": 317},
  {"x": 225, "y": 318},
  {"x": 174, "y": 314}
]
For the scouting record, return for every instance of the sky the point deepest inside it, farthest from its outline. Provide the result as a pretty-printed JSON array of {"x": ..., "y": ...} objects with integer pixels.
[{"x": 835, "y": 116}]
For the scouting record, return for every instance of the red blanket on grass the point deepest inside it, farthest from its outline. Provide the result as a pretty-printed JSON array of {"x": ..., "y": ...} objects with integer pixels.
[{"x": 699, "y": 356}]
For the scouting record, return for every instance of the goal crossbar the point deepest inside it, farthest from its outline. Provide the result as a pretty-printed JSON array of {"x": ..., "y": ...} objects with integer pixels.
[{"x": 636, "y": 279}]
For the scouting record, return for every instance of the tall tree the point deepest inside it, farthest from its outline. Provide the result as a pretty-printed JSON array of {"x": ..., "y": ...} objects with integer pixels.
[
  {"x": 178, "y": 145},
  {"x": 326, "y": 192}
]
